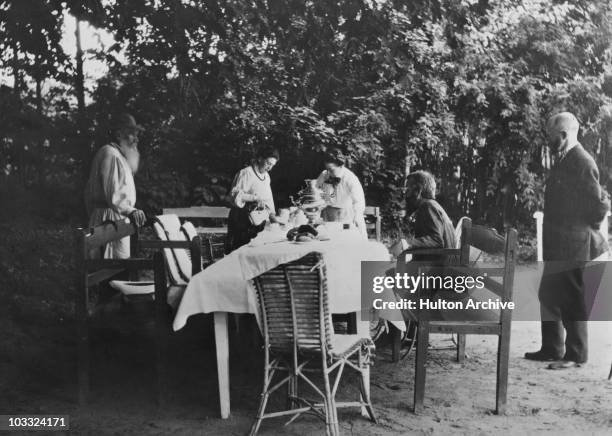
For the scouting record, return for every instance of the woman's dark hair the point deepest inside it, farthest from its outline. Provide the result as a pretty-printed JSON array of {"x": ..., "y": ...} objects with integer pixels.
[
  {"x": 267, "y": 152},
  {"x": 334, "y": 157}
]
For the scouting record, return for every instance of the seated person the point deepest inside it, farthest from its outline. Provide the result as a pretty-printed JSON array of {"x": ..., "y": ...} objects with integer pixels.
[{"x": 432, "y": 226}]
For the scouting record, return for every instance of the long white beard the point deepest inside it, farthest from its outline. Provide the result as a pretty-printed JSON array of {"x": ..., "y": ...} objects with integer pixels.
[{"x": 132, "y": 155}]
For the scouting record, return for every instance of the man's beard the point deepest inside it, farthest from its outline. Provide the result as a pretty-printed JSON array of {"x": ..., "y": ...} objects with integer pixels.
[
  {"x": 411, "y": 205},
  {"x": 133, "y": 158}
]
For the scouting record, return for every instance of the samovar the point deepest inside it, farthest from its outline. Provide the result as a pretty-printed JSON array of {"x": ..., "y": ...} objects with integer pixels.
[{"x": 310, "y": 201}]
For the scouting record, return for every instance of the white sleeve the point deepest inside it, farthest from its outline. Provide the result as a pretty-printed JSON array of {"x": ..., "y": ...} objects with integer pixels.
[
  {"x": 357, "y": 196},
  {"x": 114, "y": 185},
  {"x": 268, "y": 198},
  {"x": 240, "y": 188}
]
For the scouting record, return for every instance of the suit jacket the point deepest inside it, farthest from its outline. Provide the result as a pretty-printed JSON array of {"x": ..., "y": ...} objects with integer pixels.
[
  {"x": 574, "y": 207},
  {"x": 432, "y": 229}
]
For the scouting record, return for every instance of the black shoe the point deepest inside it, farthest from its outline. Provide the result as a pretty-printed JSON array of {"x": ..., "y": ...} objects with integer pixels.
[
  {"x": 542, "y": 356},
  {"x": 565, "y": 364}
]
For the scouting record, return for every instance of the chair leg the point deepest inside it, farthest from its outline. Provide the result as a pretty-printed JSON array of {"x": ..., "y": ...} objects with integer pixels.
[
  {"x": 364, "y": 387},
  {"x": 460, "y": 347},
  {"x": 292, "y": 392},
  {"x": 264, "y": 399},
  {"x": 503, "y": 355},
  {"x": 420, "y": 370},
  {"x": 326, "y": 409},
  {"x": 331, "y": 417},
  {"x": 83, "y": 361},
  {"x": 162, "y": 362},
  {"x": 396, "y": 342}
]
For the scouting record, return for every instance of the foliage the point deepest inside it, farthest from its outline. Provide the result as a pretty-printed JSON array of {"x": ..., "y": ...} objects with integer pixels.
[{"x": 461, "y": 88}]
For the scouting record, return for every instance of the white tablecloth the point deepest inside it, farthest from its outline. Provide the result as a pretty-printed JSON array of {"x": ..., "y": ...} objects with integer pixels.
[{"x": 224, "y": 286}]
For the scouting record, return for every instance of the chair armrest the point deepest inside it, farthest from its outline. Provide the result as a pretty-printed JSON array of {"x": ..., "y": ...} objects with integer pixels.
[
  {"x": 131, "y": 264},
  {"x": 94, "y": 271}
]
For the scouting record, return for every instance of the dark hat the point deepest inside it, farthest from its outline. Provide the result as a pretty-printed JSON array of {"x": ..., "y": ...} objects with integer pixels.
[{"x": 126, "y": 121}]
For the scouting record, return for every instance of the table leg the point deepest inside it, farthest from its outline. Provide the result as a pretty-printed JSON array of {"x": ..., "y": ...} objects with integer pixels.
[
  {"x": 363, "y": 330},
  {"x": 222, "y": 346}
]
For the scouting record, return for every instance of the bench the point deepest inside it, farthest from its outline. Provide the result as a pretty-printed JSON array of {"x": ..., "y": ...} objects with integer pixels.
[{"x": 93, "y": 271}]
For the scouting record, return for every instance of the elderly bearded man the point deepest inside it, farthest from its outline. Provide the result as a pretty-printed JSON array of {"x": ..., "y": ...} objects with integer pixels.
[
  {"x": 432, "y": 229},
  {"x": 432, "y": 226},
  {"x": 574, "y": 206},
  {"x": 110, "y": 193}
]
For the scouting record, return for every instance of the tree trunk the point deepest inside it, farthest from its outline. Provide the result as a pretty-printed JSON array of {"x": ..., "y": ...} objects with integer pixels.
[
  {"x": 82, "y": 145},
  {"x": 39, "y": 102},
  {"x": 16, "y": 71},
  {"x": 80, "y": 79}
]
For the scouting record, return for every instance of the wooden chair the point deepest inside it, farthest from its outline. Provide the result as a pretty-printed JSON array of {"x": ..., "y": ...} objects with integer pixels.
[
  {"x": 498, "y": 280},
  {"x": 462, "y": 254},
  {"x": 298, "y": 331},
  {"x": 92, "y": 271},
  {"x": 211, "y": 236},
  {"x": 373, "y": 221}
]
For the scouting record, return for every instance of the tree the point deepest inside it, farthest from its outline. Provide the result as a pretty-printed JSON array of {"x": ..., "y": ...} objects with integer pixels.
[{"x": 460, "y": 88}]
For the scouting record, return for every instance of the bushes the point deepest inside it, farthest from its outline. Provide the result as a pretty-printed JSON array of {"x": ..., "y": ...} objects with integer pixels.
[{"x": 459, "y": 88}]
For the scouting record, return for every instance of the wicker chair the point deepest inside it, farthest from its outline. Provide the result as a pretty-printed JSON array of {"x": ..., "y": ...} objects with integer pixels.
[{"x": 298, "y": 333}]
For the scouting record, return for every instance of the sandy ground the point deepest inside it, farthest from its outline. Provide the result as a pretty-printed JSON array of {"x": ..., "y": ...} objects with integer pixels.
[{"x": 459, "y": 398}]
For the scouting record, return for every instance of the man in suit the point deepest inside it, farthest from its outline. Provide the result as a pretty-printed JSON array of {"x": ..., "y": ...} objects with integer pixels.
[{"x": 574, "y": 206}]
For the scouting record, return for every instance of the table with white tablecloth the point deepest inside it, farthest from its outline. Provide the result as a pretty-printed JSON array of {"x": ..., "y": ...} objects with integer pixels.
[{"x": 225, "y": 286}]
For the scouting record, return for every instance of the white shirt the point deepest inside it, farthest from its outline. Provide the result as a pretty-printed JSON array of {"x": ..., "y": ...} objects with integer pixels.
[
  {"x": 347, "y": 194},
  {"x": 110, "y": 194},
  {"x": 251, "y": 186}
]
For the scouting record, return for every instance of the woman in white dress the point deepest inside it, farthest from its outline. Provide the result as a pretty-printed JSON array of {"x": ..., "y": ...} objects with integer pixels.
[
  {"x": 343, "y": 194},
  {"x": 110, "y": 193},
  {"x": 251, "y": 191}
]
